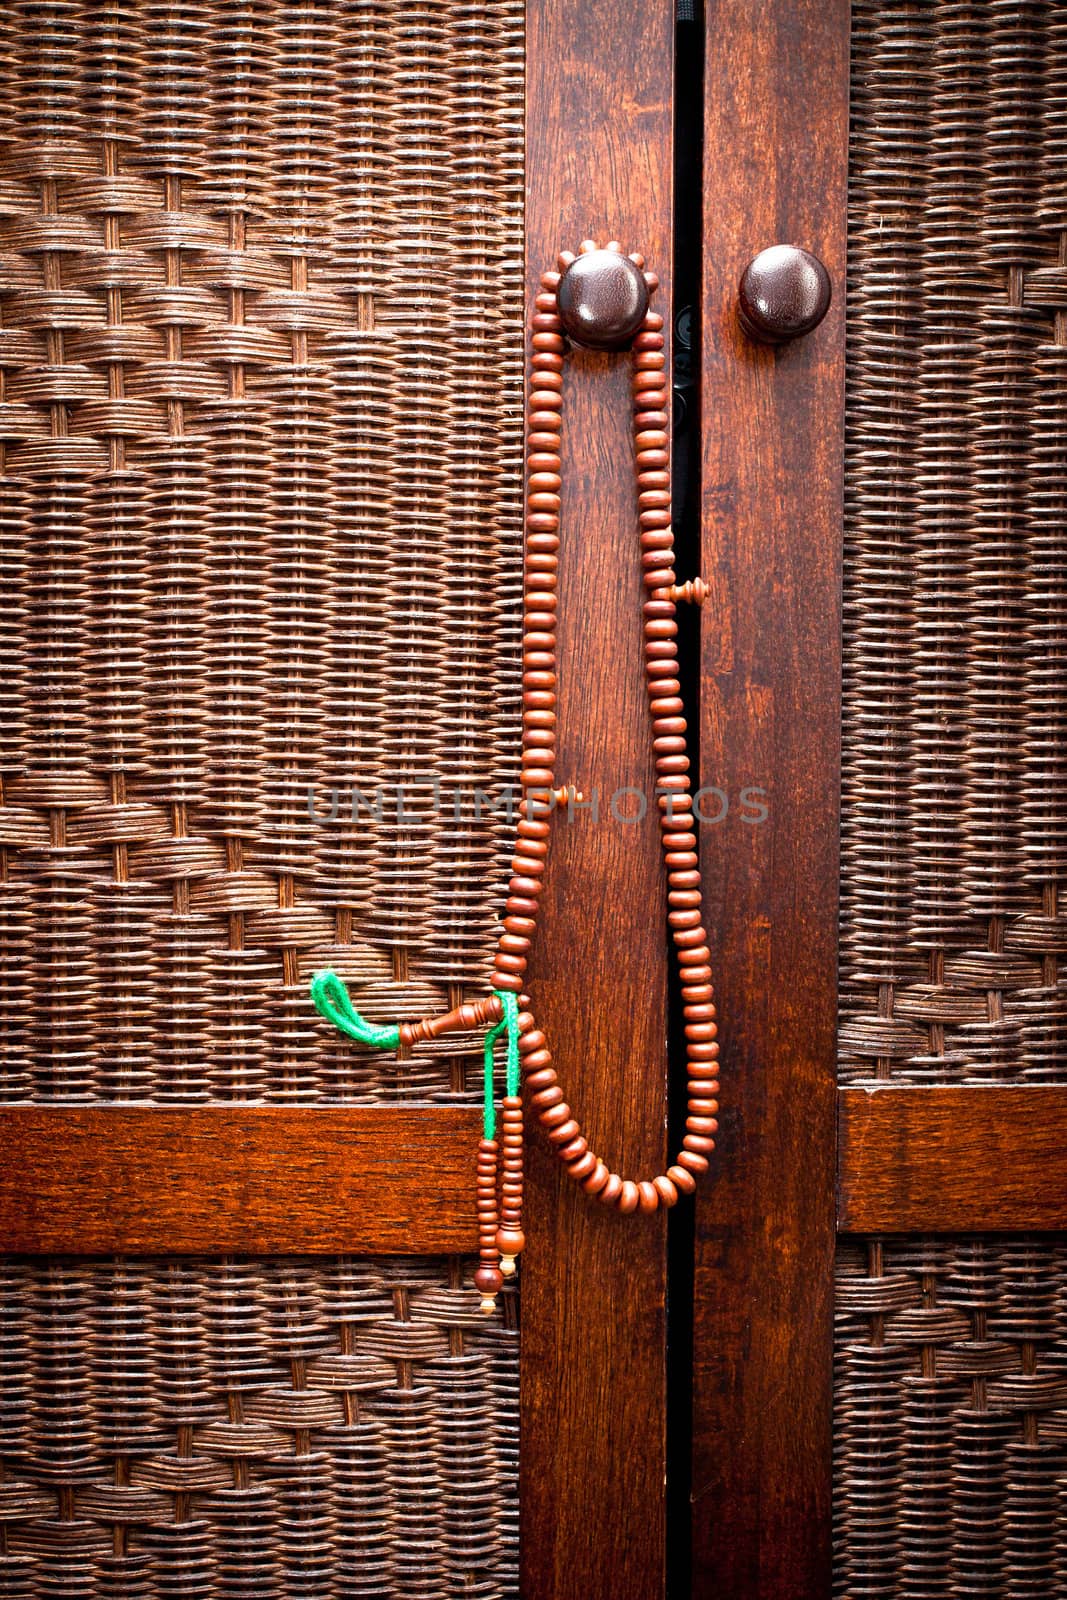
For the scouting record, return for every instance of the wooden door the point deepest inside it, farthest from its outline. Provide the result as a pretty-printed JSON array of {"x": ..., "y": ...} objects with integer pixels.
[
  {"x": 884, "y": 1416},
  {"x": 262, "y": 319}
]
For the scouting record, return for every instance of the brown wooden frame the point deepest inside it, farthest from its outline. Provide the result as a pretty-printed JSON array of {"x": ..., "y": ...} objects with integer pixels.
[
  {"x": 952, "y": 1160},
  {"x": 599, "y": 165},
  {"x": 775, "y": 159},
  {"x": 289, "y": 1180}
]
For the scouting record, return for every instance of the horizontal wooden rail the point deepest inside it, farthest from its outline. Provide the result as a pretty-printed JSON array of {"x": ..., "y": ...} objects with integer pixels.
[
  {"x": 952, "y": 1160},
  {"x": 258, "y": 1180}
]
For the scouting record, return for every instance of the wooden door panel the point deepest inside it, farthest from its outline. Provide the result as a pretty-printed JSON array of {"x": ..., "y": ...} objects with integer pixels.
[
  {"x": 261, "y": 310},
  {"x": 262, "y": 326},
  {"x": 598, "y": 150},
  {"x": 774, "y": 171},
  {"x": 950, "y": 1347},
  {"x": 951, "y": 1066}
]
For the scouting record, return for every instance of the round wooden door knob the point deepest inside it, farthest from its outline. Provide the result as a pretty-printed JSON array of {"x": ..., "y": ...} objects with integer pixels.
[
  {"x": 602, "y": 298},
  {"x": 784, "y": 293}
]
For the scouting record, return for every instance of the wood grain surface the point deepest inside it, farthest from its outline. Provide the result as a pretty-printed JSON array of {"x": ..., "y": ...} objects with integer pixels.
[
  {"x": 775, "y": 166},
  {"x": 258, "y": 1180},
  {"x": 598, "y": 163},
  {"x": 952, "y": 1160}
]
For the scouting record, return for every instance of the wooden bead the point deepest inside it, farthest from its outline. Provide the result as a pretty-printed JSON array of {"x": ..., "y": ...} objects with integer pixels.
[
  {"x": 647, "y": 1198},
  {"x": 488, "y": 1281},
  {"x": 581, "y": 1168},
  {"x": 705, "y": 1126},
  {"x": 521, "y": 905},
  {"x": 543, "y": 1078},
  {"x": 553, "y": 1116},
  {"x": 528, "y": 888},
  {"x": 702, "y": 1071},
  {"x": 597, "y": 1179}
]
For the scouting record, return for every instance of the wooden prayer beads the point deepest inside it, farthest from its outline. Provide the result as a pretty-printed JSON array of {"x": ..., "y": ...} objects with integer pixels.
[
  {"x": 674, "y": 798},
  {"x": 500, "y": 1236}
]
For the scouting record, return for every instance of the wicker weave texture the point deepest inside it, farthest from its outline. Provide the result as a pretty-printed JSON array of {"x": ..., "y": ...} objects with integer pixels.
[
  {"x": 277, "y": 1429},
  {"x": 951, "y": 1425},
  {"x": 955, "y": 732},
  {"x": 260, "y": 478}
]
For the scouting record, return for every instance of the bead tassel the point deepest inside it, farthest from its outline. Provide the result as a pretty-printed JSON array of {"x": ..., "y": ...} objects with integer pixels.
[{"x": 488, "y": 1278}]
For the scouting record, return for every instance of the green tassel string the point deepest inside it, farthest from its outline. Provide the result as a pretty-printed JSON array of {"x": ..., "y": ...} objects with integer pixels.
[
  {"x": 488, "y": 1099},
  {"x": 331, "y": 1000},
  {"x": 509, "y": 1024}
]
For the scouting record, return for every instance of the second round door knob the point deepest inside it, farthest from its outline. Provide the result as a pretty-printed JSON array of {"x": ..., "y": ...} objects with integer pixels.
[{"x": 784, "y": 293}]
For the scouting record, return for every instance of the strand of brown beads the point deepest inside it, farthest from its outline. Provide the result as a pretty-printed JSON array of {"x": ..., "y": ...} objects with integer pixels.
[
  {"x": 510, "y": 1238},
  {"x": 487, "y": 1277},
  {"x": 674, "y": 798}
]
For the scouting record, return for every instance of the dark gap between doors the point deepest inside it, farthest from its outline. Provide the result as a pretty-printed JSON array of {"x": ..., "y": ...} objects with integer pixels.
[{"x": 688, "y": 219}]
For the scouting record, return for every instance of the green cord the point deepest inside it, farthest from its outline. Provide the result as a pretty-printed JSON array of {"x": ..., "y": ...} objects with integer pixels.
[
  {"x": 331, "y": 1000},
  {"x": 489, "y": 1100},
  {"x": 509, "y": 1024}
]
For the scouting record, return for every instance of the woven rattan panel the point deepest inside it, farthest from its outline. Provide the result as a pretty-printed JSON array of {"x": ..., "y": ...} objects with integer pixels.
[
  {"x": 951, "y": 1427},
  {"x": 261, "y": 353},
  {"x": 954, "y": 919},
  {"x": 262, "y": 1428}
]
